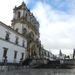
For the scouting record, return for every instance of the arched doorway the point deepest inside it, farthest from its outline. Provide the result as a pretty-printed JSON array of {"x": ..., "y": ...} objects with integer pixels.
[{"x": 33, "y": 50}]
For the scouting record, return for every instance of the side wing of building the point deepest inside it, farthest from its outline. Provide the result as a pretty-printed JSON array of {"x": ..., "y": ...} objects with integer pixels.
[{"x": 12, "y": 44}]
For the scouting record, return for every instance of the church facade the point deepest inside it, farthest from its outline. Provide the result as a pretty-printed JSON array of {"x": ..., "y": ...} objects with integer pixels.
[{"x": 21, "y": 39}]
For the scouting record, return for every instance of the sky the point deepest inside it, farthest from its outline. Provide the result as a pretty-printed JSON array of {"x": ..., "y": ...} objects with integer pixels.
[{"x": 56, "y": 19}]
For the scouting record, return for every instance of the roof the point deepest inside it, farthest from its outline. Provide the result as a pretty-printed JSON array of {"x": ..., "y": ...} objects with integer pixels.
[
  {"x": 9, "y": 27},
  {"x": 21, "y": 6}
]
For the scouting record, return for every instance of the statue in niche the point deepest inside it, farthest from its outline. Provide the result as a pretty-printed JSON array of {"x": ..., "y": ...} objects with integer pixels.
[{"x": 24, "y": 31}]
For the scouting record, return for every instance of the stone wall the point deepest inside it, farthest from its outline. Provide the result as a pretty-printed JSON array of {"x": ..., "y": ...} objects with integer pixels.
[{"x": 10, "y": 68}]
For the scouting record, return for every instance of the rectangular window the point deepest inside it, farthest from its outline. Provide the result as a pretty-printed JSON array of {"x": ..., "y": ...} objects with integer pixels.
[
  {"x": 7, "y": 37},
  {"x": 22, "y": 55},
  {"x": 23, "y": 44},
  {"x": 5, "y": 52},
  {"x": 15, "y": 54},
  {"x": 16, "y": 41},
  {"x": 45, "y": 53}
]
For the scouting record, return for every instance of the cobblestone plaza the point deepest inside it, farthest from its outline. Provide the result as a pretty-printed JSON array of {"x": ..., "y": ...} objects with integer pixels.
[{"x": 40, "y": 72}]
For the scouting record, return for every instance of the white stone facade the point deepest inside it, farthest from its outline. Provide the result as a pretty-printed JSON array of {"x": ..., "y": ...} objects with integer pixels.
[
  {"x": 13, "y": 39},
  {"x": 10, "y": 44},
  {"x": 23, "y": 33}
]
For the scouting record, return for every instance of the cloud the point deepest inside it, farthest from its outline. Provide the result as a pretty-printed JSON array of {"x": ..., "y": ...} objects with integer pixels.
[
  {"x": 6, "y": 7},
  {"x": 56, "y": 18},
  {"x": 56, "y": 27}
]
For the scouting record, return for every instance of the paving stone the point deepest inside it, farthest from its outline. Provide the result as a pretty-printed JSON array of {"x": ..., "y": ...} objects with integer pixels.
[{"x": 39, "y": 72}]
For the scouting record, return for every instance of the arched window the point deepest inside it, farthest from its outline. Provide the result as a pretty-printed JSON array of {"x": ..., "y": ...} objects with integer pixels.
[
  {"x": 18, "y": 14},
  {"x": 26, "y": 16},
  {"x": 32, "y": 35},
  {"x": 24, "y": 31},
  {"x": 17, "y": 29}
]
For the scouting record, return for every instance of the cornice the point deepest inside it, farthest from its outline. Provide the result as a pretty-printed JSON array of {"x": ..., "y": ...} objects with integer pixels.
[
  {"x": 12, "y": 43},
  {"x": 23, "y": 20},
  {"x": 8, "y": 27}
]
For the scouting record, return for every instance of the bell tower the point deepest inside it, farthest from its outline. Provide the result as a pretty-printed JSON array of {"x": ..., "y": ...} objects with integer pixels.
[
  {"x": 19, "y": 17},
  {"x": 25, "y": 22}
]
